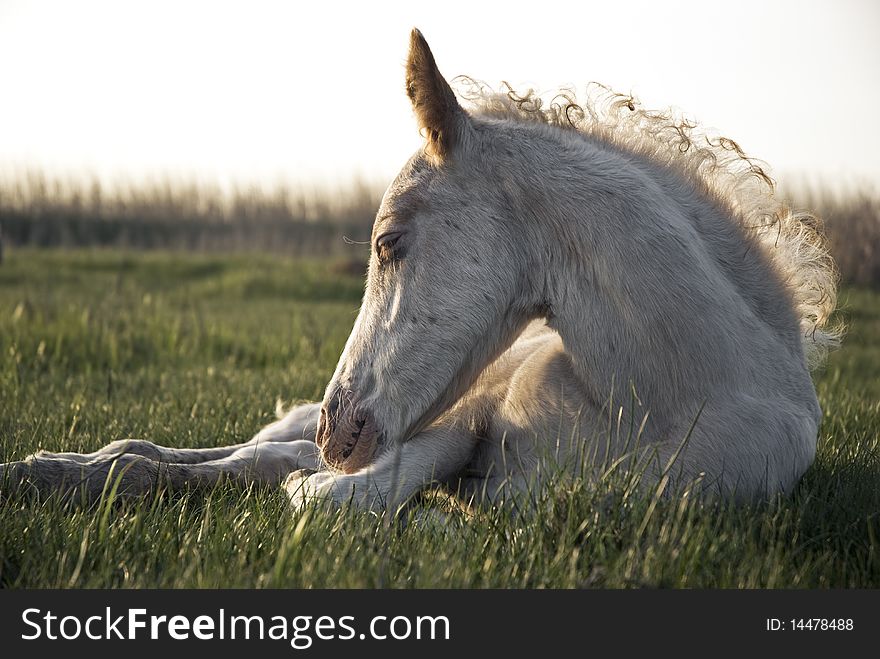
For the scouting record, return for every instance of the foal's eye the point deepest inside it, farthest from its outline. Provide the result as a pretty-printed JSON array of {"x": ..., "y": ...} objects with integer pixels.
[{"x": 385, "y": 246}]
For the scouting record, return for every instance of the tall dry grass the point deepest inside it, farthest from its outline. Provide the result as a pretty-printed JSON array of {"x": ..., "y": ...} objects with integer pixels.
[
  {"x": 38, "y": 194},
  {"x": 852, "y": 225},
  {"x": 41, "y": 211}
]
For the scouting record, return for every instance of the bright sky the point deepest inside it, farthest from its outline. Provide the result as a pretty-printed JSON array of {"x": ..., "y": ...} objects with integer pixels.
[{"x": 257, "y": 91}]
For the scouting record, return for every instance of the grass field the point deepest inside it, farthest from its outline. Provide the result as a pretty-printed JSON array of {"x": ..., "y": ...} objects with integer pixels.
[{"x": 195, "y": 351}]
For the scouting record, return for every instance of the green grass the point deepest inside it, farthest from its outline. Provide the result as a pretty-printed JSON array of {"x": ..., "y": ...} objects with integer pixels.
[{"x": 195, "y": 351}]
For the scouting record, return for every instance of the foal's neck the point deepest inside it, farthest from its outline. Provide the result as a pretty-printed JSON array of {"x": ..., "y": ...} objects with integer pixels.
[{"x": 638, "y": 298}]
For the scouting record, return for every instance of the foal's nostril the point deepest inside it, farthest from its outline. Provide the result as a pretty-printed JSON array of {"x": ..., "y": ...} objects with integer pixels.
[
  {"x": 328, "y": 420},
  {"x": 321, "y": 435},
  {"x": 332, "y": 405}
]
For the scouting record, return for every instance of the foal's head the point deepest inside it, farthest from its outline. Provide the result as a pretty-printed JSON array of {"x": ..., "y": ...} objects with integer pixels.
[{"x": 450, "y": 281}]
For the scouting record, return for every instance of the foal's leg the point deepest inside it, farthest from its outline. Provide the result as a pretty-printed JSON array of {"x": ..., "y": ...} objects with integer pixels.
[
  {"x": 745, "y": 450},
  {"x": 279, "y": 448},
  {"x": 748, "y": 450},
  {"x": 259, "y": 464},
  {"x": 433, "y": 456},
  {"x": 299, "y": 423}
]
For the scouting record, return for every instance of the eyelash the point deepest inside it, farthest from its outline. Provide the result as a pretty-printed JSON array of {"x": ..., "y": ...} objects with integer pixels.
[{"x": 385, "y": 247}]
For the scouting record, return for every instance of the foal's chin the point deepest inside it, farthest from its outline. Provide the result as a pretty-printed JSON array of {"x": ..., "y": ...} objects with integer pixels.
[{"x": 362, "y": 456}]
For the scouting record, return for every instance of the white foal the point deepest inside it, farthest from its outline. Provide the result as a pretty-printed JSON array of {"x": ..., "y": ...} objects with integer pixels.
[{"x": 534, "y": 273}]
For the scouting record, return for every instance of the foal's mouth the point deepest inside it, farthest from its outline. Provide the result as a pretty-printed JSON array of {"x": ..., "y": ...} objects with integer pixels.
[{"x": 351, "y": 443}]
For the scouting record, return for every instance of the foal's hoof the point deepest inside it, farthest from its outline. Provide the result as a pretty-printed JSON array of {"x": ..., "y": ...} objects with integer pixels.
[
  {"x": 13, "y": 477},
  {"x": 299, "y": 474},
  {"x": 295, "y": 485},
  {"x": 306, "y": 486},
  {"x": 327, "y": 488}
]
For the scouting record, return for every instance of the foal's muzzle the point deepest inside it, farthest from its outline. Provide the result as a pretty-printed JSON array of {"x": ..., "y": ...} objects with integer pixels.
[{"x": 348, "y": 434}]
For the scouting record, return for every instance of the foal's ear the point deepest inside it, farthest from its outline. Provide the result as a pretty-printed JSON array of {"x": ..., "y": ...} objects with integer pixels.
[{"x": 437, "y": 110}]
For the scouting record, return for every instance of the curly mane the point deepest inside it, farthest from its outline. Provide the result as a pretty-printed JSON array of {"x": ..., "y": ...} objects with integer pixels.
[{"x": 793, "y": 239}]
